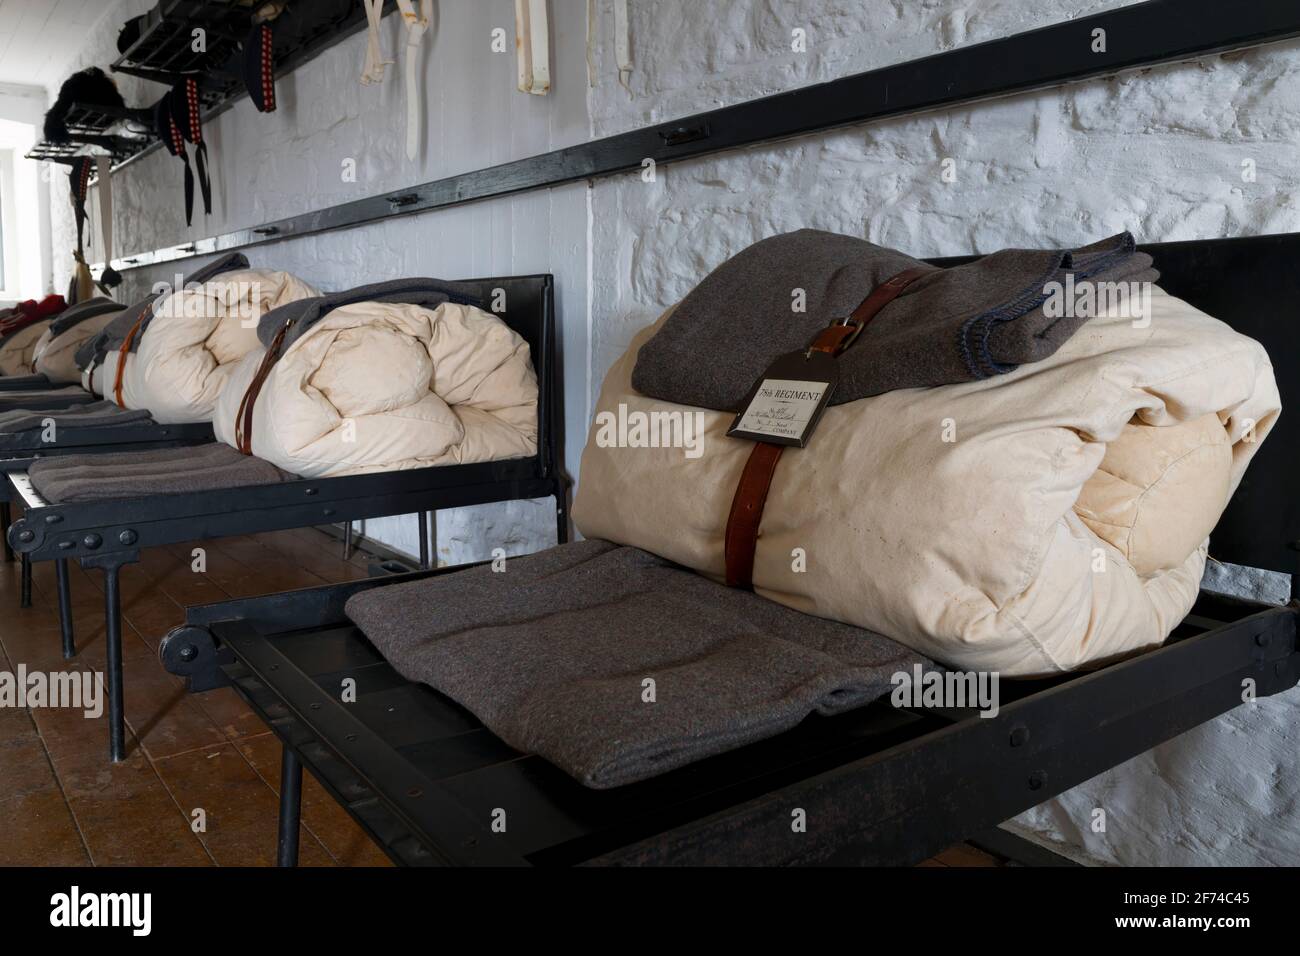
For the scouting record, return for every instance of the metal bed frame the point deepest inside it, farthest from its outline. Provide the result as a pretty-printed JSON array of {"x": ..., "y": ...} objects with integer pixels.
[
  {"x": 19, "y": 449},
  {"x": 24, "y": 383},
  {"x": 110, "y": 534},
  {"x": 878, "y": 785}
]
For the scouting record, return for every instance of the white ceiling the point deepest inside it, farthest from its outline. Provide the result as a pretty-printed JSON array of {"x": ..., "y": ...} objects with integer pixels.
[{"x": 39, "y": 38}]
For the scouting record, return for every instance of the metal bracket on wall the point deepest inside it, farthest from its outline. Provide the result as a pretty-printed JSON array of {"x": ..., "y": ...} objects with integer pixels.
[{"x": 1128, "y": 38}]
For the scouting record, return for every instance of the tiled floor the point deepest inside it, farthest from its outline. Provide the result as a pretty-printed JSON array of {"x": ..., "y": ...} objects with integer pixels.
[{"x": 63, "y": 803}]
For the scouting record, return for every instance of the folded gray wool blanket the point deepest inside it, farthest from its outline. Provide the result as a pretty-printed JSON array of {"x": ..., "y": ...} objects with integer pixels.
[
  {"x": 27, "y": 382},
  {"x": 40, "y": 398},
  {"x": 112, "y": 336},
  {"x": 304, "y": 313},
  {"x": 74, "y": 315},
  {"x": 135, "y": 474},
  {"x": 553, "y": 653},
  {"x": 954, "y": 325},
  {"x": 90, "y": 415}
]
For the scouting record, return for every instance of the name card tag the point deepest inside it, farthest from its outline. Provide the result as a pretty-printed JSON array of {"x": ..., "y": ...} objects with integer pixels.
[{"x": 785, "y": 405}]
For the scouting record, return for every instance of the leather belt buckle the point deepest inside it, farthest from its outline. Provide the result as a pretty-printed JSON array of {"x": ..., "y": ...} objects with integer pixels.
[
  {"x": 849, "y": 322},
  {"x": 853, "y": 336}
]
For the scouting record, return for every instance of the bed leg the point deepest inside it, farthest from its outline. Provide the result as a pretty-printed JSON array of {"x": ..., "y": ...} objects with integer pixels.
[
  {"x": 65, "y": 608},
  {"x": 25, "y": 587},
  {"x": 347, "y": 540},
  {"x": 286, "y": 847},
  {"x": 113, "y": 630},
  {"x": 6, "y": 519},
  {"x": 561, "y": 519},
  {"x": 424, "y": 540},
  {"x": 111, "y": 564}
]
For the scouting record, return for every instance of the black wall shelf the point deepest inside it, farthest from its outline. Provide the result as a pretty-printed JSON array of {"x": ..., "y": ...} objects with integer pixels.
[
  {"x": 164, "y": 53},
  {"x": 1137, "y": 36}
]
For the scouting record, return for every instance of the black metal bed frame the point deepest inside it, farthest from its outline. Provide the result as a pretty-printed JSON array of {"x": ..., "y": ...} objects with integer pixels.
[
  {"x": 110, "y": 534},
  {"x": 19, "y": 400},
  {"x": 19, "y": 449},
  {"x": 879, "y": 785}
]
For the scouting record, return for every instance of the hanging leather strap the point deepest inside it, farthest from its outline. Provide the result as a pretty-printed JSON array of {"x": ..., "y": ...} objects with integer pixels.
[
  {"x": 125, "y": 350},
  {"x": 104, "y": 171},
  {"x": 189, "y": 188},
  {"x": 373, "y": 70},
  {"x": 741, "y": 538},
  {"x": 194, "y": 133},
  {"x": 80, "y": 183},
  {"x": 244, "y": 417}
]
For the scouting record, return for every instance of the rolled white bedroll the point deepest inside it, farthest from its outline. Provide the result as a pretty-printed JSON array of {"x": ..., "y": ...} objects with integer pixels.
[
  {"x": 18, "y": 348},
  {"x": 192, "y": 341},
  {"x": 55, "y": 354},
  {"x": 1029, "y": 523},
  {"x": 404, "y": 374}
]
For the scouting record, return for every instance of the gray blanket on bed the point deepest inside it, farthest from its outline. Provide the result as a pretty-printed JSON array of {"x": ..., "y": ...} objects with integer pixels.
[
  {"x": 953, "y": 325},
  {"x": 302, "y": 314},
  {"x": 90, "y": 415},
  {"x": 25, "y": 382},
  {"x": 136, "y": 474},
  {"x": 554, "y": 654},
  {"x": 39, "y": 399},
  {"x": 74, "y": 315},
  {"x": 112, "y": 336}
]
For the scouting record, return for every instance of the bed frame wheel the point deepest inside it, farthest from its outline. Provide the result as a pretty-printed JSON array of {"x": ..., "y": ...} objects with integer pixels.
[{"x": 193, "y": 653}]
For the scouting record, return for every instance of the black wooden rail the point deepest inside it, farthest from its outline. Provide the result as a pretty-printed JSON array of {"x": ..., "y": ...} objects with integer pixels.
[{"x": 1133, "y": 37}]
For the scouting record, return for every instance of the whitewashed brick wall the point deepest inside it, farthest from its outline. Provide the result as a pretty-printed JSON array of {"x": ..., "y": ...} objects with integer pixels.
[{"x": 1160, "y": 152}]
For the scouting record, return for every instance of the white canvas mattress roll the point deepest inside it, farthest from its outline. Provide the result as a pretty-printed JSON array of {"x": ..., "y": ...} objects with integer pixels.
[
  {"x": 380, "y": 386},
  {"x": 55, "y": 356},
  {"x": 195, "y": 339},
  {"x": 1030, "y": 523}
]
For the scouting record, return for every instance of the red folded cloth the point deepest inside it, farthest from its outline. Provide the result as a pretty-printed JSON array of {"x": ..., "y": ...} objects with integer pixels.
[{"x": 29, "y": 311}]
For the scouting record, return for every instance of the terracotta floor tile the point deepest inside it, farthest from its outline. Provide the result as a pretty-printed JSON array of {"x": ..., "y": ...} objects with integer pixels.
[
  {"x": 71, "y": 738},
  {"x": 24, "y": 767},
  {"x": 16, "y": 724},
  {"x": 37, "y": 829},
  {"x": 321, "y": 813},
  {"x": 241, "y": 810},
  {"x": 164, "y": 716},
  {"x": 228, "y": 711},
  {"x": 43, "y": 647},
  {"x": 63, "y": 802},
  {"x": 126, "y": 814}
]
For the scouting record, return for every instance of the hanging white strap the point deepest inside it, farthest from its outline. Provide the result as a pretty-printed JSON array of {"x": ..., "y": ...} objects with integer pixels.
[
  {"x": 373, "y": 71},
  {"x": 533, "y": 46},
  {"x": 539, "y": 29},
  {"x": 622, "y": 42},
  {"x": 416, "y": 27},
  {"x": 104, "y": 170}
]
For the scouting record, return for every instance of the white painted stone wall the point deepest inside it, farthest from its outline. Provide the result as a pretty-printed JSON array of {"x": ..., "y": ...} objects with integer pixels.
[
  {"x": 1160, "y": 153},
  {"x": 267, "y": 166}
]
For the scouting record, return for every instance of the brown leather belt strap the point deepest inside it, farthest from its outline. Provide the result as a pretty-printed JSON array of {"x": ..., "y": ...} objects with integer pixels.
[
  {"x": 244, "y": 417},
  {"x": 124, "y": 351},
  {"x": 741, "y": 539}
]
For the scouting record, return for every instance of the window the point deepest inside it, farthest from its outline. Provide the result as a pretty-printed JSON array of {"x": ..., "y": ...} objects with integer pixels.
[
  {"x": 8, "y": 228},
  {"x": 24, "y": 217}
]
